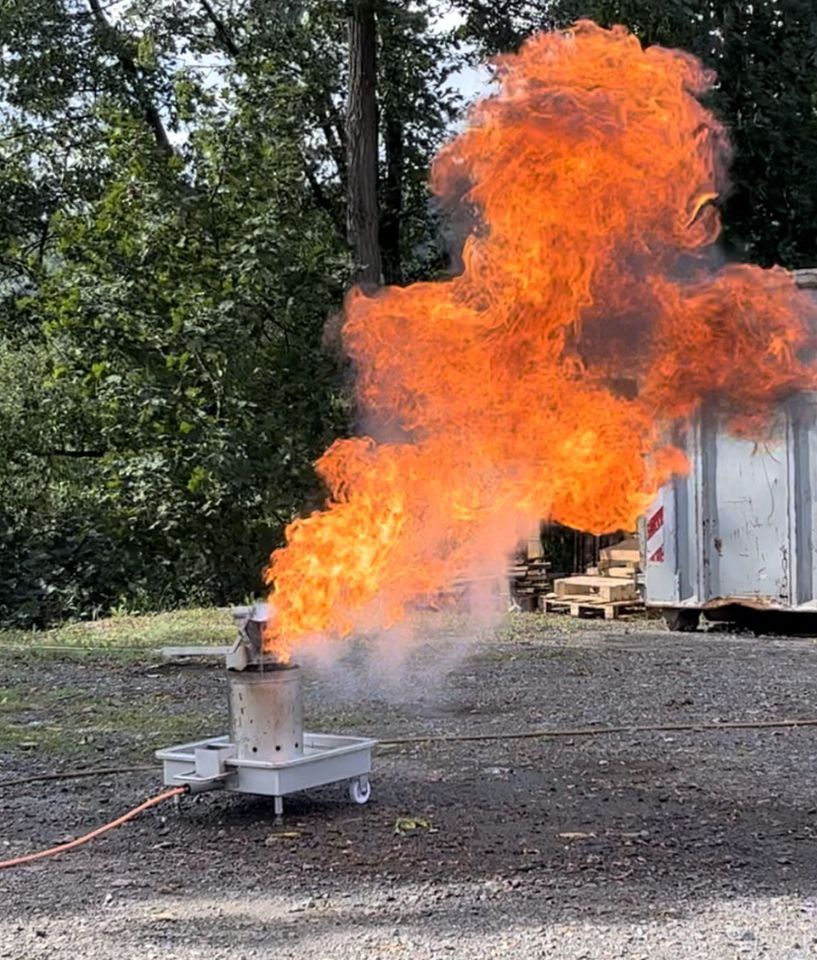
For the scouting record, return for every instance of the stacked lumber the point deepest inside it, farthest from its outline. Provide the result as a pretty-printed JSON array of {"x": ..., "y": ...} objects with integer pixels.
[
  {"x": 622, "y": 560},
  {"x": 462, "y": 590},
  {"x": 609, "y": 589},
  {"x": 529, "y": 580}
]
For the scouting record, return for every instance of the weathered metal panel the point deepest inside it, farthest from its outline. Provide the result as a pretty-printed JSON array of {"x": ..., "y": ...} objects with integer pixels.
[
  {"x": 741, "y": 524},
  {"x": 803, "y": 512},
  {"x": 746, "y": 524}
]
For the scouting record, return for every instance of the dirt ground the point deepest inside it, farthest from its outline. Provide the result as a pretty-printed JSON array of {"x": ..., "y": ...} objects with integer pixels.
[{"x": 628, "y": 845}]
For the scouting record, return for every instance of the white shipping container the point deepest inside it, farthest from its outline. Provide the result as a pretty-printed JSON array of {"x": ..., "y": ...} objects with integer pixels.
[{"x": 738, "y": 532}]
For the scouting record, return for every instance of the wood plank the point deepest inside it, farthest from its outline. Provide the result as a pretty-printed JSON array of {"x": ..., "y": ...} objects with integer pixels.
[
  {"x": 579, "y": 607},
  {"x": 587, "y": 598},
  {"x": 173, "y": 652},
  {"x": 583, "y": 581},
  {"x": 608, "y": 588},
  {"x": 625, "y": 551},
  {"x": 625, "y": 573}
]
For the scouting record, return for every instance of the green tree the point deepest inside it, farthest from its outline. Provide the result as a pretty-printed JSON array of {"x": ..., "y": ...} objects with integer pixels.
[
  {"x": 418, "y": 101},
  {"x": 173, "y": 181}
]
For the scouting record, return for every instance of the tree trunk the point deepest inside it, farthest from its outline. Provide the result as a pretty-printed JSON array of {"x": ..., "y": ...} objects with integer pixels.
[
  {"x": 361, "y": 144},
  {"x": 392, "y": 199}
]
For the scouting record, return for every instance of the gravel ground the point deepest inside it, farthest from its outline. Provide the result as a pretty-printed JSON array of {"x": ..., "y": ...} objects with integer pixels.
[{"x": 637, "y": 845}]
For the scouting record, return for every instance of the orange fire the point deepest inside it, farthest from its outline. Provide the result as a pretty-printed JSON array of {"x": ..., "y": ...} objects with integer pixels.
[{"x": 589, "y": 322}]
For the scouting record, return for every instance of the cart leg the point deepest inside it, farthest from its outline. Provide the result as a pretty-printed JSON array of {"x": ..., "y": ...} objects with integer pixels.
[{"x": 279, "y": 807}]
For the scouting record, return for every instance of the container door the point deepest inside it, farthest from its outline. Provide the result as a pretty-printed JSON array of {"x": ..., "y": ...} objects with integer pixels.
[{"x": 745, "y": 517}]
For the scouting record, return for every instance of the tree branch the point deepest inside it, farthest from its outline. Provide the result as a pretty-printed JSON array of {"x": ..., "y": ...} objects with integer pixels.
[
  {"x": 128, "y": 63},
  {"x": 90, "y": 454},
  {"x": 334, "y": 131},
  {"x": 221, "y": 29},
  {"x": 321, "y": 200},
  {"x": 43, "y": 240}
]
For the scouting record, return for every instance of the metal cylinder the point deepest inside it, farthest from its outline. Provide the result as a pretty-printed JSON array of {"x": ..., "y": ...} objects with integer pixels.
[{"x": 266, "y": 713}]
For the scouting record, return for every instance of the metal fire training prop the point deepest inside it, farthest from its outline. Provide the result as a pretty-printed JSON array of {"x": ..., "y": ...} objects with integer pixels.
[{"x": 267, "y": 751}]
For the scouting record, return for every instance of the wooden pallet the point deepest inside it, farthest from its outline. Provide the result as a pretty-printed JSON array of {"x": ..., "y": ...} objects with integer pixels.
[
  {"x": 528, "y": 580},
  {"x": 456, "y": 596},
  {"x": 620, "y": 557},
  {"x": 608, "y": 589},
  {"x": 584, "y": 606},
  {"x": 619, "y": 571},
  {"x": 627, "y": 550}
]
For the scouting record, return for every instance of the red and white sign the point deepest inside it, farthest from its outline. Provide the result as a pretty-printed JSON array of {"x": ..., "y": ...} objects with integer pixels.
[{"x": 655, "y": 533}]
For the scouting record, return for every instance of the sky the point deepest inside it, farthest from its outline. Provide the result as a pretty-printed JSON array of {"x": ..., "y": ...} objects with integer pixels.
[{"x": 472, "y": 82}]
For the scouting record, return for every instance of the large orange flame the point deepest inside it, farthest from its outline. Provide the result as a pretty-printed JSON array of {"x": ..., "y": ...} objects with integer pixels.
[{"x": 590, "y": 320}]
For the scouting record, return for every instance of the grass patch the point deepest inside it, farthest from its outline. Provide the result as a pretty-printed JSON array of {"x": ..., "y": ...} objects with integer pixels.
[
  {"x": 11, "y": 699},
  {"x": 62, "y": 692},
  {"x": 46, "y": 723},
  {"x": 197, "y": 627}
]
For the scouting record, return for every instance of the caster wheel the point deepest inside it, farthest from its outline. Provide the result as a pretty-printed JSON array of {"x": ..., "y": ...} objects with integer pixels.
[{"x": 360, "y": 791}]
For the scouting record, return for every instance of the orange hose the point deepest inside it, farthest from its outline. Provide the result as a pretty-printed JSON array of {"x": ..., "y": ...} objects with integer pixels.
[{"x": 146, "y": 805}]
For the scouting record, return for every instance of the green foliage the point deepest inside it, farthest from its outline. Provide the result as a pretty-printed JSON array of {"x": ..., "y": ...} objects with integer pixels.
[
  {"x": 173, "y": 244},
  {"x": 417, "y": 102}
]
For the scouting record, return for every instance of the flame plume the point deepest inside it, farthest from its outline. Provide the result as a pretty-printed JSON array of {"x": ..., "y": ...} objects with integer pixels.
[{"x": 590, "y": 320}]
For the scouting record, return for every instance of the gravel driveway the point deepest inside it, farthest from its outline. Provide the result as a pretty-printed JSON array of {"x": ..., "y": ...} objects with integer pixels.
[{"x": 667, "y": 846}]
